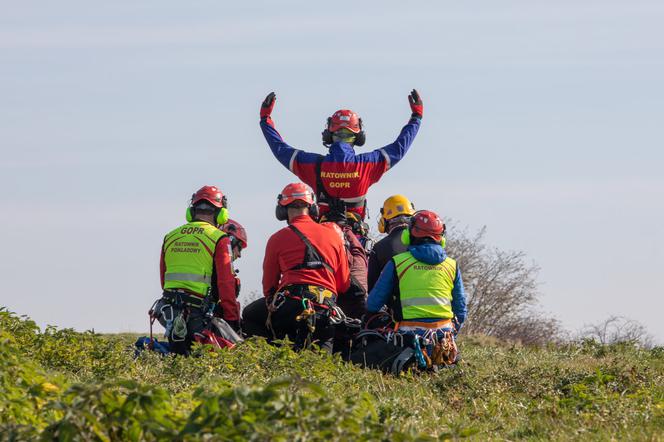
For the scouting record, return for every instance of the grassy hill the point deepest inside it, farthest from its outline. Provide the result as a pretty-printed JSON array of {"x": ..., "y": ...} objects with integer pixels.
[{"x": 66, "y": 385}]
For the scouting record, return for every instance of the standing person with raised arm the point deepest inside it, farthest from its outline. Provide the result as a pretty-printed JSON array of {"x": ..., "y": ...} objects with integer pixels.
[{"x": 341, "y": 178}]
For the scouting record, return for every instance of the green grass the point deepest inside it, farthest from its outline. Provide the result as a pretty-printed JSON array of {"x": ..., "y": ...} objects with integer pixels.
[{"x": 61, "y": 384}]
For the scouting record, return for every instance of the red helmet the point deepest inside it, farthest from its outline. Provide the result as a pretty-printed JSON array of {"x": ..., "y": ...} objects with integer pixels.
[
  {"x": 426, "y": 224},
  {"x": 296, "y": 192},
  {"x": 235, "y": 229},
  {"x": 344, "y": 119},
  {"x": 210, "y": 194}
]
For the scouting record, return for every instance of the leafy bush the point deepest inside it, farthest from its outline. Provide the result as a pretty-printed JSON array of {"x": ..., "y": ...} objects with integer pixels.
[{"x": 65, "y": 385}]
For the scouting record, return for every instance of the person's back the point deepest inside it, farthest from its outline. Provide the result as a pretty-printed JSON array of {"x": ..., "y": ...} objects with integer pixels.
[
  {"x": 196, "y": 272},
  {"x": 424, "y": 290},
  {"x": 285, "y": 252},
  {"x": 342, "y": 175},
  {"x": 305, "y": 268}
]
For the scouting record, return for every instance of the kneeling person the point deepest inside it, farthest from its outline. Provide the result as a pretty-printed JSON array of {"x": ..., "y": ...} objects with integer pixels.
[
  {"x": 424, "y": 289},
  {"x": 196, "y": 272},
  {"x": 304, "y": 268}
]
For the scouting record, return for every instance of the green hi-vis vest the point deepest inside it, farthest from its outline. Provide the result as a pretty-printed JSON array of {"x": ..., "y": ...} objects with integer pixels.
[
  {"x": 189, "y": 256},
  {"x": 425, "y": 290}
]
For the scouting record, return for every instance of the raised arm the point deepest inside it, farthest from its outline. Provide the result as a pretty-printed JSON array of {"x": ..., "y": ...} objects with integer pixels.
[
  {"x": 284, "y": 153},
  {"x": 395, "y": 151}
]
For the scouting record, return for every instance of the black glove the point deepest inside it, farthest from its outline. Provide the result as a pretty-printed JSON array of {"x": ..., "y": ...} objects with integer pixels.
[
  {"x": 416, "y": 104},
  {"x": 268, "y": 105}
]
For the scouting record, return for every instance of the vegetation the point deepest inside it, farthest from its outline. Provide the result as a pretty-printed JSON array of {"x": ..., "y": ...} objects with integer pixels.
[
  {"x": 500, "y": 284},
  {"x": 65, "y": 385}
]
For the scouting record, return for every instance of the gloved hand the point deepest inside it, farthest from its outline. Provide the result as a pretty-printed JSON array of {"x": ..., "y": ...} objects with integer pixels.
[
  {"x": 268, "y": 105},
  {"x": 416, "y": 104}
]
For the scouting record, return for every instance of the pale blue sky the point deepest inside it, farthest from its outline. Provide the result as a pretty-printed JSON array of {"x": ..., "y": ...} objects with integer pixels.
[{"x": 543, "y": 121}]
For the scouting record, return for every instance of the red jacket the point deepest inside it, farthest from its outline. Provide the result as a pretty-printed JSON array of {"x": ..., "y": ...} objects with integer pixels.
[
  {"x": 223, "y": 274},
  {"x": 286, "y": 250}
]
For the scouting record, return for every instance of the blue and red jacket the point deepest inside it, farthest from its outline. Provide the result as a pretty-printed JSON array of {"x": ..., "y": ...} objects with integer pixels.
[{"x": 344, "y": 174}]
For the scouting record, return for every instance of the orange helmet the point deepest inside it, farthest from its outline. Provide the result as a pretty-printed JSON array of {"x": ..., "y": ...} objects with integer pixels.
[
  {"x": 295, "y": 192},
  {"x": 235, "y": 229},
  {"x": 426, "y": 224},
  {"x": 344, "y": 119}
]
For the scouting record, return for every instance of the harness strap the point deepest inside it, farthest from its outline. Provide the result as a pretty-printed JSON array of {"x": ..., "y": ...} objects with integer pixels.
[
  {"x": 444, "y": 323},
  {"x": 320, "y": 189},
  {"x": 185, "y": 298},
  {"x": 312, "y": 257},
  {"x": 318, "y": 296}
]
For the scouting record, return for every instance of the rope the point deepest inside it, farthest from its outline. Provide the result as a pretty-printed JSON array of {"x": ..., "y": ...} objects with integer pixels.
[
  {"x": 179, "y": 332},
  {"x": 271, "y": 308}
]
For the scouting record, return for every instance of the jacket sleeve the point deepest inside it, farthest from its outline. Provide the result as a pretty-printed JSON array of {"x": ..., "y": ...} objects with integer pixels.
[
  {"x": 459, "y": 298},
  {"x": 271, "y": 271},
  {"x": 394, "y": 152},
  {"x": 342, "y": 273},
  {"x": 226, "y": 280},
  {"x": 358, "y": 259},
  {"x": 380, "y": 294},
  {"x": 284, "y": 153}
]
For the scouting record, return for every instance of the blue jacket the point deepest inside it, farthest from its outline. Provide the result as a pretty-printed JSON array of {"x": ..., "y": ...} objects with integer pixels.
[{"x": 388, "y": 281}]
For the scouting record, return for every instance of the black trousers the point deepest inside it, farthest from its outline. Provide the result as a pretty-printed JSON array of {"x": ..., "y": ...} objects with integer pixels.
[
  {"x": 353, "y": 306},
  {"x": 284, "y": 324},
  {"x": 196, "y": 322}
]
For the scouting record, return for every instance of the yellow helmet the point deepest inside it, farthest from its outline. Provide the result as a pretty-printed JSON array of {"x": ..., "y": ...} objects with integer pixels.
[{"x": 394, "y": 206}]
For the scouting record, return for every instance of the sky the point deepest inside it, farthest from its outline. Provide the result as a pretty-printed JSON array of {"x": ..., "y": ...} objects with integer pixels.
[{"x": 542, "y": 122}]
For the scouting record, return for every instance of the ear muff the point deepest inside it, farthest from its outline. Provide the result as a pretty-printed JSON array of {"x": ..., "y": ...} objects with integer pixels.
[
  {"x": 360, "y": 137},
  {"x": 222, "y": 216},
  {"x": 381, "y": 224},
  {"x": 443, "y": 242},
  {"x": 281, "y": 212},
  {"x": 314, "y": 212},
  {"x": 405, "y": 237},
  {"x": 326, "y": 134}
]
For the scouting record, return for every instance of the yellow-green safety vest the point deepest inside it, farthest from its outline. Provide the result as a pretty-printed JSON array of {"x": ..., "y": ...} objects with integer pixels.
[
  {"x": 189, "y": 256},
  {"x": 425, "y": 290}
]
